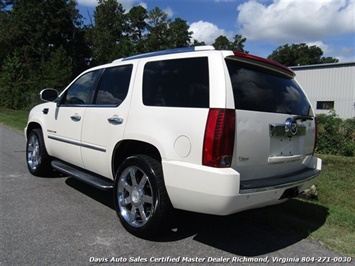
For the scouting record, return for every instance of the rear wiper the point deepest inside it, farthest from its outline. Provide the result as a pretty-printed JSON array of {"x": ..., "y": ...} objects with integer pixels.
[{"x": 302, "y": 117}]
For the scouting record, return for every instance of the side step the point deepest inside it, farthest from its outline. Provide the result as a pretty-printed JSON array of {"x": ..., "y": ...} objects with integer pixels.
[{"x": 92, "y": 179}]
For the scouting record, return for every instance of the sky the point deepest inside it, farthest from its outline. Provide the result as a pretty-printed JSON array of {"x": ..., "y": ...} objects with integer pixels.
[{"x": 267, "y": 24}]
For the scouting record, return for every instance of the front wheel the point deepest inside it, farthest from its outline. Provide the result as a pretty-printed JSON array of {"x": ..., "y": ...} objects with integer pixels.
[
  {"x": 140, "y": 197},
  {"x": 38, "y": 160}
]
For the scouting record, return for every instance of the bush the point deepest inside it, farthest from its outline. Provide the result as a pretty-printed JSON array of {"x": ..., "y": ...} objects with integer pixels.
[{"x": 335, "y": 135}]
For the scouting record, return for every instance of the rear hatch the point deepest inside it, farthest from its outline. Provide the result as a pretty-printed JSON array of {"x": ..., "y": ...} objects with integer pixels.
[{"x": 275, "y": 125}]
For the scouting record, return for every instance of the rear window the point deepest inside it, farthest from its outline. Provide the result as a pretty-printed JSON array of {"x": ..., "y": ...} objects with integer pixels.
[
  {"x": 259, "y": 89},
  {"x": 177, "y": 83}
]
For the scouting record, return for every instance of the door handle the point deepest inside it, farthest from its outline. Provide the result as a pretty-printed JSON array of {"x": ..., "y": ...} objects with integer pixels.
[
  {"x": 75, "y": 118},
  {"x": 115, "y": 120}
]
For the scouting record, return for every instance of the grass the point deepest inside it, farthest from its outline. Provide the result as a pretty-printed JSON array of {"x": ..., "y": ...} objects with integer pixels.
[
  {"x": 330, "y": 219},
  {"x": 15, "y": 119},
  {"x": 336, "y": 191}
]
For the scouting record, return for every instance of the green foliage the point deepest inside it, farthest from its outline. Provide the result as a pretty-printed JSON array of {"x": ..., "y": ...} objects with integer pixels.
[
  {"x": 164, "y": 33},
  {"x": 107, "y": 34},
  {"x": 136, "y": 19},
  {"x": 4, "y": 28},
  {"x": 197, "y": 43},
  {"x": 300, "y": 54},
  {"x": 13, "y": 82},
  {"x": 118, "y": 34},
  {"x": 42, "y": 46},
  {"x": 44, "y": 43},
  {"x": 158, "y": 29},
  {"x": 179, "y": 34},
  {"x": 222, "y": 43},
  {"x": 335, "y": 136},
  {"x": 57, "y": 71}
]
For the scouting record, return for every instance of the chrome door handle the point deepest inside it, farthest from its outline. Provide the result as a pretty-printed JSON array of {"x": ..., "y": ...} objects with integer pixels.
[
  {"x": 75, "y": 118},
  {"x": 115, "y": 120}
]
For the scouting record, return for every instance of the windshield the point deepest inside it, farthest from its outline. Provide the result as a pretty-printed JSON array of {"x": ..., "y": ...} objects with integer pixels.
[{"x": 260, "y": 89}]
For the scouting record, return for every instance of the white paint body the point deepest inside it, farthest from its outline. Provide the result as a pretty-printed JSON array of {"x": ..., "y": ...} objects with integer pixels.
[{"x": 178, "y": 135}]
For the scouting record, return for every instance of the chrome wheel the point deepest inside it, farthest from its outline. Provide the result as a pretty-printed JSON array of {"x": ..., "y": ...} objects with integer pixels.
[
  {"x": 135, "y": 196},
  {"x": 141, "y": 201},
  {"x": 37, "y": 158},
  {"x": 33, "y": 152}
]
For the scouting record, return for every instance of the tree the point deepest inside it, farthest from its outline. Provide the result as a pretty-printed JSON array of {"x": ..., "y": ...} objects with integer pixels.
[
  {"x": 58, "y": 70},
  {"x": 157, "y": 38},
  {"x": 5, "y": 3},
  {"x": 222, "y": 43},
  {"x": 179, "y": 34},
  {"x": 164, "y": 33},
  {"x": 13, "y": 82},
  {"x": 37, "y": 33},
  {"x": 197, "y": 43},
  {"x": 108, "y": 31},
  {"x": 238, "y": 44},
  {"x": 5, "y": 47},
  {"x": 300, "y": 54},
  {"x": 137, "y": 26}
]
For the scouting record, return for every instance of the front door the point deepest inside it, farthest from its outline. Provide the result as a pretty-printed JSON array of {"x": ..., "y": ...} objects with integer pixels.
[{"x": 66, "y": 121}]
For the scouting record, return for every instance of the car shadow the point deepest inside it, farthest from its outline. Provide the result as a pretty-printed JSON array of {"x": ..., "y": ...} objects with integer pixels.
[
  {"x": 54, "y": 174},
  {"x": 104, "y": 197},
  {"x": 248, "y": 233},
  {"x": 254, "y": 232}
]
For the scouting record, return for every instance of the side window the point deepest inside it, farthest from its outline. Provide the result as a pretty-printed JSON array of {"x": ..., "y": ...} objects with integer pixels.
[
  {"x": 80, "y": 92},
  {"x": 325, "y": 105},
  {"x": 177, "y": 83},
  {"x": 113, "y": 86}
]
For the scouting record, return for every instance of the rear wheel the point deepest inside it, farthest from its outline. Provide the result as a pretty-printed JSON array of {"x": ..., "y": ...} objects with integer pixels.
[
  {"x": 38, "y": 160},
  {"x": 140, "y": 197}
]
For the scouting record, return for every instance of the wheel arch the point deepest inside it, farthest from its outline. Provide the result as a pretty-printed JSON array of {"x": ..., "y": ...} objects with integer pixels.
[
  {"x": 31, "y": 126},
  {"x": 127, "y": 148}
]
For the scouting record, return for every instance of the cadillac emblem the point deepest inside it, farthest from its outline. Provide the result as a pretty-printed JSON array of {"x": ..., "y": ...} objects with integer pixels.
[{"x": 291, "y": 126}]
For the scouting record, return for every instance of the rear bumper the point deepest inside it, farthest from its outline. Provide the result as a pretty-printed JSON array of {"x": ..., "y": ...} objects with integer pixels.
[
  {"x": 277, "y": 182},
  {"x": 220, "y": 191}
]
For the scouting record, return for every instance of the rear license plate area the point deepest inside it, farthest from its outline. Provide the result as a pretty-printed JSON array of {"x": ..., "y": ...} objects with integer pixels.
[{"x": 285, "y": 146}]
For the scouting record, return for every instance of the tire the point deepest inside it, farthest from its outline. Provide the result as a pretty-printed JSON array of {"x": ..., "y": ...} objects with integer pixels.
[
  {"x": 140, "y": 197},
  {"x": 37, "y": 158}
]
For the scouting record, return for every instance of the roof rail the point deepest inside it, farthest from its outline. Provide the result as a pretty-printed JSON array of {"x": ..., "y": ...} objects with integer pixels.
[{"x": 169, "y": 51}]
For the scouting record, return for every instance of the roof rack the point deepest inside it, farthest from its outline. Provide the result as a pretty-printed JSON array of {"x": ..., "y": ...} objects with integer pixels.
[{"x": 169, "y": 51}]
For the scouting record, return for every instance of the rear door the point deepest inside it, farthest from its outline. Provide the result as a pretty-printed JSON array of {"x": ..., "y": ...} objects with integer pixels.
[
  {"x": 105, "y": 119},
  {"x": 275, "y": 128}
]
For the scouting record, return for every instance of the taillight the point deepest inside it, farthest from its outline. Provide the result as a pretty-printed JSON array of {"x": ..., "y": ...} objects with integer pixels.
[{"x": 219, "y": 138}]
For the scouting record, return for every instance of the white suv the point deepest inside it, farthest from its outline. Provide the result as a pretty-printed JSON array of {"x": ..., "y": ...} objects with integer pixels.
[{"x": 193, "y": 128}]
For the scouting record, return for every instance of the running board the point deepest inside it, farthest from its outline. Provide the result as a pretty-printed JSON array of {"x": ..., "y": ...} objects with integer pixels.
[{"x": 89, "y": 178}]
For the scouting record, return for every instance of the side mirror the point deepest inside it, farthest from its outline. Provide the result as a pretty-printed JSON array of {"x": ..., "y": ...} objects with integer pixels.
[{"x": 48, "y": 95}]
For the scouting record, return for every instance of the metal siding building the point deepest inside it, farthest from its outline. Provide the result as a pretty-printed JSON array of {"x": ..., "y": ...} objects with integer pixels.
[{"x": 329, "y": 86}]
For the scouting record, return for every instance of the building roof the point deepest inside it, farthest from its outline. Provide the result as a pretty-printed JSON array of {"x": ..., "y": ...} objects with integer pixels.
[{"x": 330, "y": 65}]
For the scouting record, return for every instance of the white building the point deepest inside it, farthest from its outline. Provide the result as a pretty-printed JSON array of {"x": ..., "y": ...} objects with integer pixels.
[{"x": 329, "y": 87}]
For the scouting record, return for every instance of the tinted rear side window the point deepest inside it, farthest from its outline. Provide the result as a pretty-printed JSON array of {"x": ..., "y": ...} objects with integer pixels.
[
  {"x": 256, "y": 89},
  {"x": 177, "y": 83}
]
